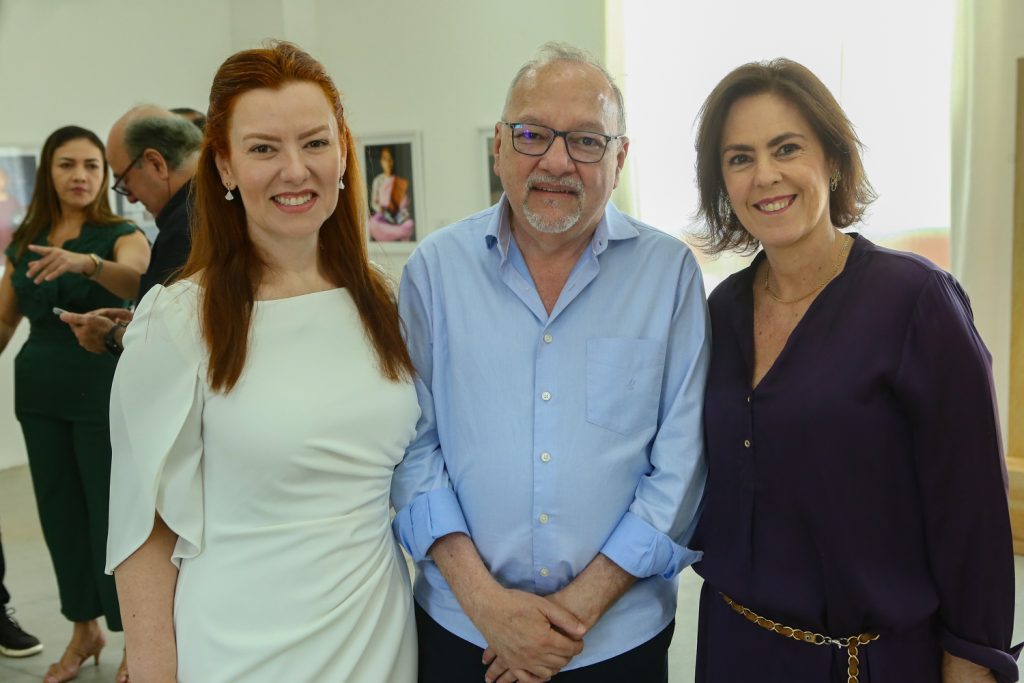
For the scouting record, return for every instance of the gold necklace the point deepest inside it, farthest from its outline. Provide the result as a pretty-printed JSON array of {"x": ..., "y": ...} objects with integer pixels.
[{"x": 821, "y": 285}]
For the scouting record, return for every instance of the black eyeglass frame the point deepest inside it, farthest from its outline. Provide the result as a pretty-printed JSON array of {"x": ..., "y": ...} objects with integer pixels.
[
  {"x": 564, "y": 135},
  {"x": 119, "y": 180}
]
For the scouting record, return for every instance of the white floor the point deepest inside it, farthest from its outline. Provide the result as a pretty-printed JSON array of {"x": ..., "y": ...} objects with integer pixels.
[{"x": 34, "y": 595}]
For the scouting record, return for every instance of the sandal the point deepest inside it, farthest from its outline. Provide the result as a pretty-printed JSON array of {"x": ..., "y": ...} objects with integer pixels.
[{"x": 60, "y": 672}]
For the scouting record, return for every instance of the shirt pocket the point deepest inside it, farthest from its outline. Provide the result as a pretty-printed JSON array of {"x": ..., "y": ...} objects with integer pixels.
[{"x": 624, "y": 383}]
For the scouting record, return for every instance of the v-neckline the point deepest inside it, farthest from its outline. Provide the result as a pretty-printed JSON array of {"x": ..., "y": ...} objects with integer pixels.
[
  {"x": 743, "y": 320},
  {"x": 62, "y": 245}
]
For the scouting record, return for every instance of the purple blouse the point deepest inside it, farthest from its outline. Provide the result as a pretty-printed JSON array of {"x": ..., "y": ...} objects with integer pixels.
[{"x": 861, "y": 487}]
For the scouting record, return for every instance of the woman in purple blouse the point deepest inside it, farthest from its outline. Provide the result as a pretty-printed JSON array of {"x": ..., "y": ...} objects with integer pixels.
[{"x": 855, "y": 524}]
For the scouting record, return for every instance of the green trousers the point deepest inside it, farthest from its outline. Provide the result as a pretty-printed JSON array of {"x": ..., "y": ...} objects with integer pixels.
[{"x": 70, "y": 464}]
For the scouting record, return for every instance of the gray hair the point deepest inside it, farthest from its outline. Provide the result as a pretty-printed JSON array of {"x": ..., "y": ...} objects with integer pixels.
[
  {"x": 552, "y": 52},
  {"x": 175, "y": 138}
]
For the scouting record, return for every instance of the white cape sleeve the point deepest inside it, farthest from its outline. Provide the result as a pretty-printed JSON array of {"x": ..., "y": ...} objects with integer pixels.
[{"x": 156, "y": 407}]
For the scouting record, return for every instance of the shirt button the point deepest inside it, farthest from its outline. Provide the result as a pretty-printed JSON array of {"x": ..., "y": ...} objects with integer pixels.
[
  {"x": 544, "y": 571},
  {"x": 543, "y": 519},
  {"x": 746, "y": 443},
  {"x": 545, "y": 396},
  {"x": 548, "y": 339},
  {"x": 545, "y": 457}
]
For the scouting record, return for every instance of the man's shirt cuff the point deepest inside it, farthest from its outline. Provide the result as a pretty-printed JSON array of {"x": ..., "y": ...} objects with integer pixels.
[
  {"x": 641, "y": 550},
  {"x": 427, "y": 518}
]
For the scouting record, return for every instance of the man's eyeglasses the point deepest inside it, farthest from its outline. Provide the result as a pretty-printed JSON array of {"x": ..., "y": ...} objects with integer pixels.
[
  {"x": 119, "y": 180},
  {"x": 583, "y": 146}
]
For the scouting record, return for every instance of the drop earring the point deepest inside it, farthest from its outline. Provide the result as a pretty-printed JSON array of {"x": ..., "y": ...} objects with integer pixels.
[
  {"x": 341, "y": 183},
  {"x": 228, "y": 195}
]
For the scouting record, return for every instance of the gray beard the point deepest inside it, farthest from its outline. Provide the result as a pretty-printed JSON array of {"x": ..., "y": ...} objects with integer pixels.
[{"x": 556, "y": 226}]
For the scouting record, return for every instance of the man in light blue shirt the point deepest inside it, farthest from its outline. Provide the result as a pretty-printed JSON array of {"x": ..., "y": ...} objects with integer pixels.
[{"x": 562, "y": 349}]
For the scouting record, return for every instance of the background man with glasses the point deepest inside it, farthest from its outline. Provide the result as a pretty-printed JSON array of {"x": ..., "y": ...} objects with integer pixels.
[
  {"x": 561, "y": 350},
  {"x": 153, "y": 155}
]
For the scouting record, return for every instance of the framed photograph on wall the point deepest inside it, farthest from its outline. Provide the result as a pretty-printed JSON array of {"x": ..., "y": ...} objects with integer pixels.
[
  {"x": 492, "y": 183},
  {"x": 393, "y": 167},
  {"x": 17, "y": 180}
]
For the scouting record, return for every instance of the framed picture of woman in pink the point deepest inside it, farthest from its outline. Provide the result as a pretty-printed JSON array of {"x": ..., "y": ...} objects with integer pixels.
[
  {"x": 390, "y": 165},
  {"x": 17, "y": 179}
]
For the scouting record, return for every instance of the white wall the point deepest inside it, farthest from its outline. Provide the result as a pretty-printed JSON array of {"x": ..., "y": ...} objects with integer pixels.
[
  {"x": 441, "y": 68},
  {"x": 438, "y": 67},
  {"x": 990, "y": 40},
  {"x": 69, "y": 61}
]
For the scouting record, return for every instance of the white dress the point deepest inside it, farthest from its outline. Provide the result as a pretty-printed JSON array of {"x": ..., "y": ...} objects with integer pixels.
[{"x": 278, "y": 491}]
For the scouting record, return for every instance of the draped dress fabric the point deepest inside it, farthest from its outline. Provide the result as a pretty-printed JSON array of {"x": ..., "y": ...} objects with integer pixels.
[
  {"x": 278, "y": 491},
  {"x": 859, "y": 487}
]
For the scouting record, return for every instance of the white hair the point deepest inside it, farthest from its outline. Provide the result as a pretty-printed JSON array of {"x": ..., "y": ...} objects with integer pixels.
[{"x": 552, "y": 52}]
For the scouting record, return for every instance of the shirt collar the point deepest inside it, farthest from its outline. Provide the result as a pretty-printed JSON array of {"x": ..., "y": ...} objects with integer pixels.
[
  {"x": 612, "y": 227},
  {"x": 498, "y": 231},
  {"x": 176, "y": 200}
]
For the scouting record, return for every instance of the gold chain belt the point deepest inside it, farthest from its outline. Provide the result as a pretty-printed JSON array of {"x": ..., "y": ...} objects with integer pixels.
[{"x": 851, "y": 643}]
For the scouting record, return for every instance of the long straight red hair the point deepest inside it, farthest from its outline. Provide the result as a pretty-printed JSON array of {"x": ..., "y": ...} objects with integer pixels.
[{"x": 227, "y": 263}]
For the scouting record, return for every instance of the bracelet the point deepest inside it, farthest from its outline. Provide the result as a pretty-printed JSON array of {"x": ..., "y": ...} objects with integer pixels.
[
  {"x": 97, "y": 266},
  {"x": 110, "y": 340}
]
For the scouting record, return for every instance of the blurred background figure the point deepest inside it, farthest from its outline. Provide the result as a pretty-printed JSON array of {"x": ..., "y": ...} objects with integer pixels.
[
  {"x": 71, "y": 252},
  {"x": 193, "y": 116},
  {"x": 153, "y": 154},
  {"x": 14, "y": 641}
]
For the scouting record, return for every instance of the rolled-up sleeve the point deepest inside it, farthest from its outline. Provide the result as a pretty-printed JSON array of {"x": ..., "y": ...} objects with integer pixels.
[
  {"x": 427, "y": 507},
  {"x": 651, "y": 537},
  {"x": 945, "y": 384}
]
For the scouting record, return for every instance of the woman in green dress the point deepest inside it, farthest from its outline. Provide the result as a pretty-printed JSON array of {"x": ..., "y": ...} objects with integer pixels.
[{"x": 71, "y": 252}]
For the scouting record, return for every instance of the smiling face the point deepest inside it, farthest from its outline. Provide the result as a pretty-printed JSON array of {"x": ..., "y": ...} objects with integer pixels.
[
  {"x": 77, "y": 173},
  {"x": 552, "y": 193},
  {"x": 775, "y": 170},
  {"x": 285, "y": 160}
]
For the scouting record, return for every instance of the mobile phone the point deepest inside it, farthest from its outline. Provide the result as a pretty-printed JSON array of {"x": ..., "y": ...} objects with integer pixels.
[{"x": 58, "y": 311}]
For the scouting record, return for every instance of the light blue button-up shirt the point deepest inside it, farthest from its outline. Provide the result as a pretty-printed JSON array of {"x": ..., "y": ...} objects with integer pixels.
[{"x": 551, "y": 438}]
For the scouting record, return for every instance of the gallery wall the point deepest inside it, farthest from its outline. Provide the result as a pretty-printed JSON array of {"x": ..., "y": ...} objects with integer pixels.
[
  {"x": 437, "y": 70},
  {"x": 989, "y": 39}
]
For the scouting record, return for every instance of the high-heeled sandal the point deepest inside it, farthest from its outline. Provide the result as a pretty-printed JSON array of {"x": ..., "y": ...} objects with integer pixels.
[
  {"x": 59, "y": 672},
  {"x": 122, "y": 671}
]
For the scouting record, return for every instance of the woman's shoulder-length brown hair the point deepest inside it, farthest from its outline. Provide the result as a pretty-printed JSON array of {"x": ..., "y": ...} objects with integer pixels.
[
  {"x": 796, "y": 84},
  {"x": 224, "y": 259},
  {"x": 44, "y": 208}
]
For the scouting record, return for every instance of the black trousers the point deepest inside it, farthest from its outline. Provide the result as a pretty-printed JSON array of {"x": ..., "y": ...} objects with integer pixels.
[
  {"x": 5, "y": 597},
  {"x": 70, "y": 465},
  {"x": 446, "y": 658}
]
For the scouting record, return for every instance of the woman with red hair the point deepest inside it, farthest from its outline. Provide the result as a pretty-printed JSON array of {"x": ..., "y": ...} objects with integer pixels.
[{"x": 259, "y": 409}]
